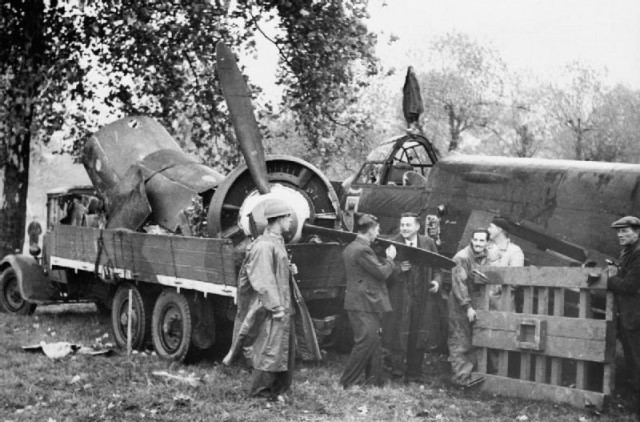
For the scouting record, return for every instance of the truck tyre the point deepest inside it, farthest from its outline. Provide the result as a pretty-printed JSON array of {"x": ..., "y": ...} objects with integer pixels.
[
  {"x": 172, "y": 326},
  {"x": 11, "y": 300},
  {"x": 141, "y": 317}
]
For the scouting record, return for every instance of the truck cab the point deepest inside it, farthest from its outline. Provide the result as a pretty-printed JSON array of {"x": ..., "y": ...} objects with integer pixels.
[{"x": 77, "y": 205}]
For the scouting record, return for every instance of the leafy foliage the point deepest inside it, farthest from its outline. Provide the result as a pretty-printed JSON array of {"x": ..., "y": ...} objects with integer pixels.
[
  {"x": 324, "y": 48},
  {"x": 72, "y": 66},
  {"x": 38, "y": 51}
]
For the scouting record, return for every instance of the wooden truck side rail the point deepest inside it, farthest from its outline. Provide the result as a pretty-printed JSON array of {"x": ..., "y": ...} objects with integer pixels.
[{"x": 202, "y": 264}]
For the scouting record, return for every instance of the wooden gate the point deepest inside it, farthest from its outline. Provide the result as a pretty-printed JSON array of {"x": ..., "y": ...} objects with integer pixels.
[{"x": 557, "y": 344}]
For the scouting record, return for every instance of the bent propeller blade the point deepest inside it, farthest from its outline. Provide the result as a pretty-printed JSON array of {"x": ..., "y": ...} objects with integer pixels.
[{"x": 236, "y": 93}]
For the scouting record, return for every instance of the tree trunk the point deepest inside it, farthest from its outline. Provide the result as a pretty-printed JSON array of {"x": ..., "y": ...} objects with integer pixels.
[
  {"x": 28, "y": 53},
  {"x": 453, "y": 128},
  {"x": 13, "y": 194}
]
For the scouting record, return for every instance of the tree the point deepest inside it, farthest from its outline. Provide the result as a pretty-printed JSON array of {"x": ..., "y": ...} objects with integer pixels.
[
  {"x": 575, "y": 102},
  {"x": 523, "y": 126},
  {"x": 324, "y": 47},
  {"x": 38, "y": 49},
  {"x": 157, "y": 58},
  {"x": 617, "y": 125},
  {"x": 464, "y": 90}
]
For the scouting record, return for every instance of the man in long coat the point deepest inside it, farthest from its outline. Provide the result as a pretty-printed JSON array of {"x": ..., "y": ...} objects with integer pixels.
[
  {"x": 462, "y": 306},
  {"x": 624, "y": 282},
  {"x": 270, "y": 310},
  {"x": 366, "y": 299},
  {"x": 418, "y": 321}
]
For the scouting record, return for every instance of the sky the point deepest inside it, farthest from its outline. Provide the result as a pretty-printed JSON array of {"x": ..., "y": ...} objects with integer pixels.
[{"x": 539, "y": 36}]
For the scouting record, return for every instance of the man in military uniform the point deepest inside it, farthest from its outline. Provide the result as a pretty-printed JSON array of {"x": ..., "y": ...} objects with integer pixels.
[
  {"x": 366, "y": 299},
  {"x": 624, "y": 282},
  {"x": 462, "y": 303},
  {"x": 418, "y": 321},
  {"x": 268, "y": 307}
]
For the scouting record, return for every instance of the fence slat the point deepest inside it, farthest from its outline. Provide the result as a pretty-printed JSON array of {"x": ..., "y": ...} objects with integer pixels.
[
  {"x": 558, "y": 310},
  {"x": 542, "y": 309},
  {"x": 531, "y": 390},
  {"x": 525, "y": 357},
  {"x": 584, "y": 311}
]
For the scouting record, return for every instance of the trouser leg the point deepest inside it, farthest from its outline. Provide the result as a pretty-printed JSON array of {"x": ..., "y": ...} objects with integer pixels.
[
  {"x": 396, "y": 359},
  {"x": 261, "y": 383},
  {"x": 415, "y": 354},
  {"x": 365, "y": 359},
  {"x": 461, "y": 355},
  {"x": 630, "y": 340},
  {"x": 374, "y": 371}
]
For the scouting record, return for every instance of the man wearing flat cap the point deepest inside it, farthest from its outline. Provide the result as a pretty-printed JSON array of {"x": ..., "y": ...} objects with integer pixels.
[
  {"x": 624, "y": 282},
  {"x": 366, "y": 299}
]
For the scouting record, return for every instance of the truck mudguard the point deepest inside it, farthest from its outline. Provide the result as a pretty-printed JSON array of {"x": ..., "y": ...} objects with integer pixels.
[{"x": 33, "y": 282}]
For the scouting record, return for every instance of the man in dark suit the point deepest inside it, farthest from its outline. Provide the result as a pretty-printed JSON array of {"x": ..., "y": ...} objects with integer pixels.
[
  {"x": 366, "y": 299},
  {"x": 418, "y": 320},
  {"x": 624, "y": 282}
]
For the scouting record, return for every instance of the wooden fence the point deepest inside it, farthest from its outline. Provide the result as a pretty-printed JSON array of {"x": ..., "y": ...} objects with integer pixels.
[{"x": 550, "y": 335}]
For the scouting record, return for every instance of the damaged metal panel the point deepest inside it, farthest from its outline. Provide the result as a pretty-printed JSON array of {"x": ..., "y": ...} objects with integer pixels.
[{"x": 136, "y": 165}]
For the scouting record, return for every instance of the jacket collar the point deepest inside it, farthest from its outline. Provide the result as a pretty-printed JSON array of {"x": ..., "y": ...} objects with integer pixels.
[
  {"x": 401, "y": 239},
  {"x": 362, "y": 239}
]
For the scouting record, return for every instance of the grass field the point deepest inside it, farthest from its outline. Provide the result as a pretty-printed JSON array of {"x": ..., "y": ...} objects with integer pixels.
[{"x": 116, "y": 388}]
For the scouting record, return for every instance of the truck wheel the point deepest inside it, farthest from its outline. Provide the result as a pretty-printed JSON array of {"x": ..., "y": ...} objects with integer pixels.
[
  {"x": 11, "y": 300},
  {"x": 172, "y": 326},
  {"x": 140, "y": 318}
]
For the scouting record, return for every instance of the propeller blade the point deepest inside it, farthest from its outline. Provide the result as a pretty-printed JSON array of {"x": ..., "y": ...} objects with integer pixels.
[
  {"x": 406, "y": 253},
  {"x": 236, "y": 93}
]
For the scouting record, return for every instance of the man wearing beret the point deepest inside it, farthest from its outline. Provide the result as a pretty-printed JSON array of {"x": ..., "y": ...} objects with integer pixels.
[
  {"x": 624, "y": 282},
  {"x": 366, "y": 299},
  {"x": 501, "y": 252}
]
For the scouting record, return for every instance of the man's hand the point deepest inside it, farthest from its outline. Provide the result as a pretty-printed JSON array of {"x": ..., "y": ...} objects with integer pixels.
[
  {"x": 278, "y": 313},
  {"x": 435, "y": 286},
  {"x": 405, "y": 265},
  {"x": 293, "y": 268},
  {"x": 391, "y": 252},
  {"x": 471, "y": 315}
]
